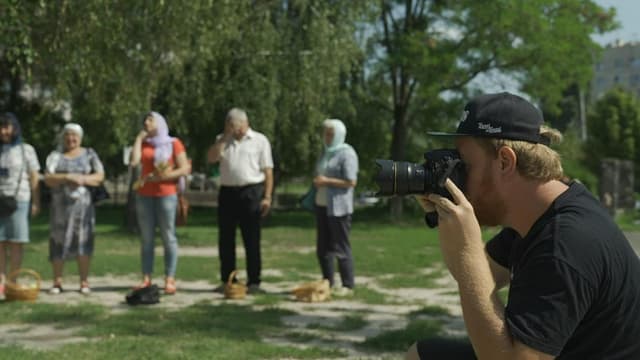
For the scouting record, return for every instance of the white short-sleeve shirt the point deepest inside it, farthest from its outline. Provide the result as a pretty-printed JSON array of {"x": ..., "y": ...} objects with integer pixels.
[
  {"x": 11, "y": 164},
  {"x": 243, "y": 161}
]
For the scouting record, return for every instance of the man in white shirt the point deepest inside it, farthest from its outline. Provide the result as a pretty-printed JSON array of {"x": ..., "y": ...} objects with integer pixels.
[{"x": 246, "y": 184}]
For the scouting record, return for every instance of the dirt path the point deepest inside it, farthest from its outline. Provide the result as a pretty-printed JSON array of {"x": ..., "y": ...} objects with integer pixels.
[{"x": 109, "y": 292}]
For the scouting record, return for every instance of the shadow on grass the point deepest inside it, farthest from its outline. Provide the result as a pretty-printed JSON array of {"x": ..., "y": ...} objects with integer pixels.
[{"x": 221, "y": 321}]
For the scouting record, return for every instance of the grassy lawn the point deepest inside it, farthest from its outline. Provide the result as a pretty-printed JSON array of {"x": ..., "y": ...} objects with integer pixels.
[
  {"x": 394, "y": 255},
  {"x": 391, "y": 261}
]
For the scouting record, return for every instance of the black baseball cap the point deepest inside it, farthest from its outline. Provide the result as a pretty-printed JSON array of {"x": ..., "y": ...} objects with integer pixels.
[{"x": 503, "y": 116}]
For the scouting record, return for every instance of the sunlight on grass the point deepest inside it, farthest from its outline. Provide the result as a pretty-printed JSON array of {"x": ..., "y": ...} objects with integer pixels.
[{"x": 393, "y": 255}]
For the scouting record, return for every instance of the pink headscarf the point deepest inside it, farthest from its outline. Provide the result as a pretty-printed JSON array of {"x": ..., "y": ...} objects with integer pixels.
[{"x": 161, "y": 142}]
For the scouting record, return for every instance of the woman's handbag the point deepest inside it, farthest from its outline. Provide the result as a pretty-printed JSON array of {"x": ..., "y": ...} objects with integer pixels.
[
  {"x": 308, "y": 200},
  {"x": 146, "y": 295},
  {"x": 98, "y": 193},
  {"x": 8, "y": 204},
  {"x": 182, "y": 211}
]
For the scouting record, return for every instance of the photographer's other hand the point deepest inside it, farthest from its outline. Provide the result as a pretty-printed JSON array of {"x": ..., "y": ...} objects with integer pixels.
[
  {"x": 425, "y": 203},
  {"x": 459, "y": 232}
]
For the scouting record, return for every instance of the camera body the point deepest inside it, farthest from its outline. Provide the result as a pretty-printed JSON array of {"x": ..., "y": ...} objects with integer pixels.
[{"x": 406, "y": 178}]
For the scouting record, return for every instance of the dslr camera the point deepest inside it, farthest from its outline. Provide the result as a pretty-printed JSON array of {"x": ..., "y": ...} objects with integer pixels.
[{"x": 406, "y": 178}]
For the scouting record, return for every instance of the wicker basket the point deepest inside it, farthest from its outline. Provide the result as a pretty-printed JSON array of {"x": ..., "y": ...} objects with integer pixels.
[
  {"x": 234, "y": 290},
  {"x": 314, "y": 291},
  {"x": 22, "y": 292}
]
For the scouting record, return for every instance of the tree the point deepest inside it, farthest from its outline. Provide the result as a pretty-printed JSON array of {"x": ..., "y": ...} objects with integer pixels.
[
  {"x": 614, "y": 130},
  {"x": 434, "y": 50},
  {"x": 111, "y": 62}
]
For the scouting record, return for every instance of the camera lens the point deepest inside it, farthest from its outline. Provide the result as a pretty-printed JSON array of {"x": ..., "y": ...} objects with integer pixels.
[
  {"x": 385, "y": 178},
  {"x": 400, "y": 178}
]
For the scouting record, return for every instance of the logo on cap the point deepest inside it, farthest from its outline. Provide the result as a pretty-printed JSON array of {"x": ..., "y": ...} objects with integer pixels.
[
  {"x": 489, "y": 129},
  {"x": 463, "y": 116}
]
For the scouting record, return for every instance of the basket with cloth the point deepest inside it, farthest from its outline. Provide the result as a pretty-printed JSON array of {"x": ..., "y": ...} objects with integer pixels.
[
  {"x": 314, "y": 291},
  {"x": 22, "y": 285},
  {"x": 234, "y": 290}
]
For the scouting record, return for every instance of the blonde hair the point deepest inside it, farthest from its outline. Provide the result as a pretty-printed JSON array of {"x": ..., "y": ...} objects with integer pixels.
[{"x": 534, "y": 161}]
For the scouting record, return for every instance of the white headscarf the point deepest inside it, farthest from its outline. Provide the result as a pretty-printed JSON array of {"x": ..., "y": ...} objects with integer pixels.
[
  {"x": 339, "y": 134},
  {"x": 337, "y": 143},
  {"x": 161, "y": 142}
]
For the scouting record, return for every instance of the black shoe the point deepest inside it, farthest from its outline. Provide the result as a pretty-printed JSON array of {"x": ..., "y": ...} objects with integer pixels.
[
  {"x": 255, "y": 289},
  {"x": 219, "y": 289}
]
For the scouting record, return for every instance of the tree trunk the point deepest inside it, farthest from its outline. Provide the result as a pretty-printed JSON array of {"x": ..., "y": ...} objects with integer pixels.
[{"x": 398, "y": 147}]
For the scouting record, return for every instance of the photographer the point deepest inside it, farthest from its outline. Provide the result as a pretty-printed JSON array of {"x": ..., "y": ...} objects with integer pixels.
[{"x": 574, "y": 279}]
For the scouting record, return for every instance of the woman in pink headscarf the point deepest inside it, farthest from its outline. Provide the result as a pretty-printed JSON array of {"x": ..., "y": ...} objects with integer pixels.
[{"x": 164, "y": 162}]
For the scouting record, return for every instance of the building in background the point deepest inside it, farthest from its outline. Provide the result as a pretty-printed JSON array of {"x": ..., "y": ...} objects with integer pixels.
[{"x": 618, "y": 67}]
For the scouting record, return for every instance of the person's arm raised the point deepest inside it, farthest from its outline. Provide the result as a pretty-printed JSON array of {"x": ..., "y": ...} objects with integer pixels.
[
  {"x": 463, "y": 252},
  {"x": 136, "y": 151}
]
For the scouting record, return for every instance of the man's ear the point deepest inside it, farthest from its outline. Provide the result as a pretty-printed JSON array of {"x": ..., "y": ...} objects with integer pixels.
[{"x": 508, "y": 159}]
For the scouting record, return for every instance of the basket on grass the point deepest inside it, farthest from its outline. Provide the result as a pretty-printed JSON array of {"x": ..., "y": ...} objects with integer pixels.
[
  {"x": 314, "y": 291},
  {"x": 234, "y": 290},
  {"x": 22, "y": 290}
]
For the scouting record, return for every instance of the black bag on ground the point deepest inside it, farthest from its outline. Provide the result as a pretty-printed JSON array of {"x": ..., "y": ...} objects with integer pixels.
[
  {"x": 8, "y": 206},
  {"x": 144, "y": 296}
]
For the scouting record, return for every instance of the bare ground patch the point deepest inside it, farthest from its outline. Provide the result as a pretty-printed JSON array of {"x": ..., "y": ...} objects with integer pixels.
[{"x": 313, "y": 320}]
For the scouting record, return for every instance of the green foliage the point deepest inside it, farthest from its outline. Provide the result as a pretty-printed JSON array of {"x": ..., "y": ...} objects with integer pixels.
[
  {"x": 574, "y": 157},
  {"x": 431, "y": 48},
  {"x": 391, "y": 69},
  {"x": 614, "y": 130},
  {"x": 192, "y": 61}
]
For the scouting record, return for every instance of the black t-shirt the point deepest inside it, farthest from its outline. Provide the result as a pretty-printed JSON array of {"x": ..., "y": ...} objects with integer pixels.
[{"x": 575, "y": 282}]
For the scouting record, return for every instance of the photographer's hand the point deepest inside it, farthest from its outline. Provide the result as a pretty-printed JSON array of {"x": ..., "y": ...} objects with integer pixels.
[
  {"x": 424, "y": 202},
  {"x": 459, "y": 232}
]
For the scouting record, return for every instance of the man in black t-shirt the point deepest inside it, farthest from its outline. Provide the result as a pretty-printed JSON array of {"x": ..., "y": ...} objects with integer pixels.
[{"x": 574, "y": 280}]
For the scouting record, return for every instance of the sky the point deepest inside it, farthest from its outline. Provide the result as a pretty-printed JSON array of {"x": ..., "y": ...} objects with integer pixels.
[{"x": 627, "y": 12}]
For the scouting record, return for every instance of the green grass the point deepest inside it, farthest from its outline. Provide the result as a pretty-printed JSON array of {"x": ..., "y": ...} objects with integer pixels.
[
  {"x": 395, "y": 254},
  {"x": 400, "y": 340},
  {"x": 629, "y": 220}
]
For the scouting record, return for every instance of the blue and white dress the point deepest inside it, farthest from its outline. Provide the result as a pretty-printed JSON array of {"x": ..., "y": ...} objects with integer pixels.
[{"x": 72, "y": 219}]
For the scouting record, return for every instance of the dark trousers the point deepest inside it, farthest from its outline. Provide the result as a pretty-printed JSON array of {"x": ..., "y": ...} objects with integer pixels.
[
  {"x": 240, "y": 206},
  {"x": 444, "y": 348},
  {"x": 332, "y": 242}
]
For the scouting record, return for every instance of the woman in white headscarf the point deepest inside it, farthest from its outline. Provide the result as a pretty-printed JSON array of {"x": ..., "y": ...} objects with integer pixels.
[
  {"x": 70, "y": 169},
  {"x": 164, "y": 162},
  {"x": 336, "y": 177}
]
